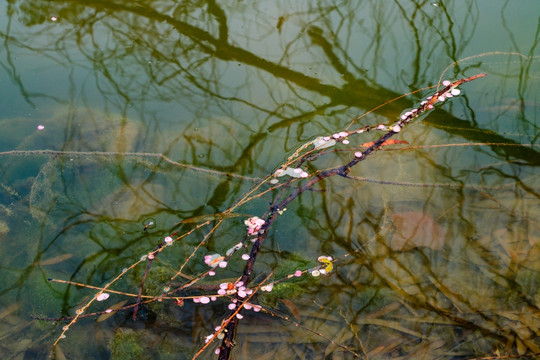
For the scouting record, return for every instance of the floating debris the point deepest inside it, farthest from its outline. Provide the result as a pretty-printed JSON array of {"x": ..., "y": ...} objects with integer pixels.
[
  {"x": 292, "y": 172},
  {"x": 54, "y": 260},
  {"x": 323, "y": 142},
  {"x": 102, "y": 297}
]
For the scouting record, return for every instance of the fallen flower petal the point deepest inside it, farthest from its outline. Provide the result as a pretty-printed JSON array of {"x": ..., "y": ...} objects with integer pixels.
[{"x": 102, "y": 297}]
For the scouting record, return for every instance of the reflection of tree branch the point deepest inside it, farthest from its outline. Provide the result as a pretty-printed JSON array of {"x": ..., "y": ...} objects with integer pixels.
[
  {"x": 317, "y": 36},
  {"x": 356, "y": 93},
  {"x": 361, "y": 93},
  {"x": 218, "y": 12}
]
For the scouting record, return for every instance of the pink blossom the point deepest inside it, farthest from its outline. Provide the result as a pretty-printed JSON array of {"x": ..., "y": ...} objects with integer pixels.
[
  {"x": 213, "y": 260},
  {"x": 254, "y": 224},
  {"x": 102, "y": 297}
]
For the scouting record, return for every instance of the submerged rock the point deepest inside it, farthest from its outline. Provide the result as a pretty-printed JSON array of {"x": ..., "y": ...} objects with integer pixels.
[{"x": 416, "y": 229}]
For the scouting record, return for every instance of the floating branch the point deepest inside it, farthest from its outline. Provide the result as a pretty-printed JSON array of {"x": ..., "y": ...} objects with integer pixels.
[
  {"x": 449, "y": 90},
  {"x": 239, "y": 292}
]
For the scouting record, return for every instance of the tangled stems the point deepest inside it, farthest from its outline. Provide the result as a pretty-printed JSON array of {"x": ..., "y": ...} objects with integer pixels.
[{"x": 449, "y": 90}]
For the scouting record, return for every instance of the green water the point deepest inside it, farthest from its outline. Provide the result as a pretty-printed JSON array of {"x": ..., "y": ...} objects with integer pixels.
[{"x": 115, "y": 114}]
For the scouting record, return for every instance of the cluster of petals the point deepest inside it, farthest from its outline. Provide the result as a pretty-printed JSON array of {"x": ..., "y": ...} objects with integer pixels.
[
  {"x": 453, "y": 91},
  {"x": 323, "y": 142},
  {"x": 204, "y": 299},
  {"x": 254, "y": 225},
  {"x": 337, "y": 136},
  {"x": 342, "y": 134},
  {"x": 325, "y": 268},
  {"x": 268, "y": 287},
  {"x": 220, "y": 336},
  {"x": 327, "y": 264},
  {"x": 227, "y": 288},
  {"x": 411, "y": 113},
  {"x": 292, "y": 172},
  {"x": 255, "y": 308},
  {"x": 214, "y": 260}
]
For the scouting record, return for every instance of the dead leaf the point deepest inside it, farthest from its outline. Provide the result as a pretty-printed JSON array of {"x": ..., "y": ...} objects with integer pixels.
[
  {"x": 387, "y": 142},
  {"x": 54, "y": 260},
  {"x": 292, "y": 308},
  {"x": 416, "y": 229},
  {"x": 58, "y": 353}
]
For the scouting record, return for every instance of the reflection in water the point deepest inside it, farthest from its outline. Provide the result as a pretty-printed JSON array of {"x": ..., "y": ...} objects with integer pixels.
[{"x": 168, "y": 113}]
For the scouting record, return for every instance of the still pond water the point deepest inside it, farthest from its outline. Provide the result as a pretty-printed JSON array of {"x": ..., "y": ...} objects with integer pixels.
[{"x": 126, "y": 122}]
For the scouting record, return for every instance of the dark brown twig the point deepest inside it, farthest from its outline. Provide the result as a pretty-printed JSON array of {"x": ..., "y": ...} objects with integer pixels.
[{"x": 439, "y": 96}]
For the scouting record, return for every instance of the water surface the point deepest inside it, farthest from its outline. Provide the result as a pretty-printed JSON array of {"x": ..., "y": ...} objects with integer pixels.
[{"x": 118, "y": 114}]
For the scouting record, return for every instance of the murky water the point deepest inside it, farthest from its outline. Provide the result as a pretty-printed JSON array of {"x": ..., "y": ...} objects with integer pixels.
[{"x": 124, "y": 122}]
